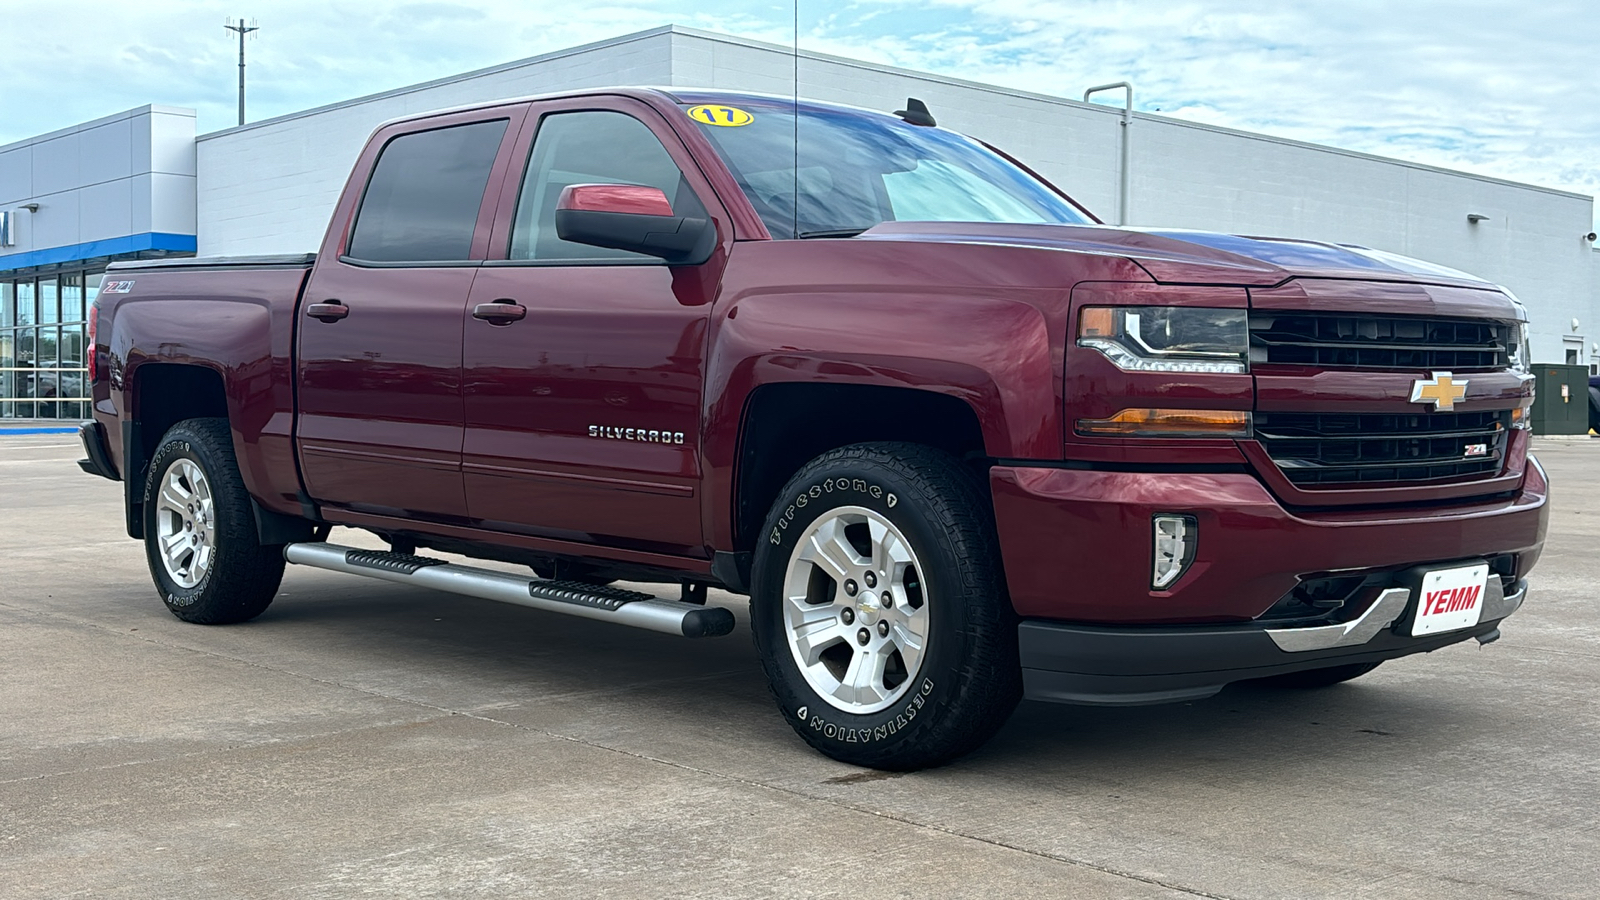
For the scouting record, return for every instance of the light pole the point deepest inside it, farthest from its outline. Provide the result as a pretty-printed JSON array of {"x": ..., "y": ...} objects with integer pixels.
[
  {"x": 1127, "y": 139},
  {"x": 243, "y": 30}
]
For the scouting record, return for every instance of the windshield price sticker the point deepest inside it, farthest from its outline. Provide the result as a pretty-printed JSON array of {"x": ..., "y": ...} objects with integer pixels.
[
  {"x": 724, "y": 116},
  {"x": 1451, "y": 599}
]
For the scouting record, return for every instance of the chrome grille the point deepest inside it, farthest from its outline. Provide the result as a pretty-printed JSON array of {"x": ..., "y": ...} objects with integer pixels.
[
  {"x": 1352, "y": 341},
  {"x": 1337, "y": 450}
]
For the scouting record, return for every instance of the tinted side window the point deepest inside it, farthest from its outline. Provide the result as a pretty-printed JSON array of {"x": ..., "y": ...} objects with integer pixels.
[
  {"x": 422, "y": 201},
  {"x": 590, "y": 148}
]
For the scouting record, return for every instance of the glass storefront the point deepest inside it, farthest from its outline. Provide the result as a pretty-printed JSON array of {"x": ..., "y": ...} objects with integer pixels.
[{"x": 43, "y": 374}]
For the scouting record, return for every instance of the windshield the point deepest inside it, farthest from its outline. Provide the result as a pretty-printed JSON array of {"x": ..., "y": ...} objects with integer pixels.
[{"x": 855, "y": 169}]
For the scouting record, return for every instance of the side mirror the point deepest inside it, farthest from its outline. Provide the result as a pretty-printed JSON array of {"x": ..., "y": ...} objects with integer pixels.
[{"x": 632, "y": 217}]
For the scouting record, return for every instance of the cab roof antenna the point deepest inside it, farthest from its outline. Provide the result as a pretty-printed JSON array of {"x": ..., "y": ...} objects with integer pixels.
[{"x": 916, "y": 113}]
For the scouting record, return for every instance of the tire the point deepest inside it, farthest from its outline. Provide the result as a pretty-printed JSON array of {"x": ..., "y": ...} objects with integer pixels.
[
  {"x": 217, "y": 572},
  {"x": 924, "y": 511},
  {"x": 1321, "y": 678}
]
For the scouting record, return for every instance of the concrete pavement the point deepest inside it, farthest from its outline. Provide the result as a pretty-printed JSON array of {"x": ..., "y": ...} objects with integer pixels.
[{"x": 363, "y": 738}]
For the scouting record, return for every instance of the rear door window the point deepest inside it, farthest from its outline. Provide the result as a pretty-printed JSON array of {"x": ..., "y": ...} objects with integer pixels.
[{"x": 422, "y": 201}]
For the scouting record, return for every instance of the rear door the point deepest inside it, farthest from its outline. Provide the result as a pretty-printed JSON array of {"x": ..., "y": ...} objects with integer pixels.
[
  {"x": 380, "y": 415},
  {"x": 583, "y": 417}
]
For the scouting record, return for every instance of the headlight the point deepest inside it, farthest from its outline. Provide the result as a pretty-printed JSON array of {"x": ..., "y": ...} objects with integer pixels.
[
  {"x": 1517, "y": 340},
  {"x": 1168, "y": 338},
  {"x": 1517, "y": 348}
]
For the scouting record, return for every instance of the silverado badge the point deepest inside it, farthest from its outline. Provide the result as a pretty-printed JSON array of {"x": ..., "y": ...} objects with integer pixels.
[{"x": 1442, "y": 390}]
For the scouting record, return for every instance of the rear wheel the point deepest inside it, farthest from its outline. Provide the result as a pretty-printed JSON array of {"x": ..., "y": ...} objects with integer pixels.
[
  {"x": 199, "y": 533},
  {"x": 879, "y": 608},
  {"x": 1319, "y": 678}
]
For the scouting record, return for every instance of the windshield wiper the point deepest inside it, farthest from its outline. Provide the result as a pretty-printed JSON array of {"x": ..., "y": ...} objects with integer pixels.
[{"x": 831, "y": 233}]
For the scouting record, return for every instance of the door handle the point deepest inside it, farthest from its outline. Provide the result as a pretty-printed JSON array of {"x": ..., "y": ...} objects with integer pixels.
[
  {"x": 329, "y": 311},
  {"x": 501, "y": 312}
]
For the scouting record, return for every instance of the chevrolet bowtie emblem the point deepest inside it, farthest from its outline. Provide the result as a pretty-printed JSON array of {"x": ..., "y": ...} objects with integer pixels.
[{"x": 1442, "y": 390}]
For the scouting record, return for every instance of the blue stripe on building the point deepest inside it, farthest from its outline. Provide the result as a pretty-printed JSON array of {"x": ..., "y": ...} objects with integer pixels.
[{"x": 133, "y": 243}]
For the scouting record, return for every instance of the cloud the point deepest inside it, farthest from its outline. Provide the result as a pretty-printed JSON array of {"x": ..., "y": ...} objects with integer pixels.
[
  {"x": 1497, "y": 88},
  {"x": 1489, "y": 86}
]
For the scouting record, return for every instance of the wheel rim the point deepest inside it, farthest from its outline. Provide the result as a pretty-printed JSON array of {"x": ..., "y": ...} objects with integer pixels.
[
  {"x": 855, "y": 610},
  {"x": 185, "y": 523}
]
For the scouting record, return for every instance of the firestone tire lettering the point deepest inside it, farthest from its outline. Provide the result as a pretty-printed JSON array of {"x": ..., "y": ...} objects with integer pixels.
[{"x": 969, "y": 678}]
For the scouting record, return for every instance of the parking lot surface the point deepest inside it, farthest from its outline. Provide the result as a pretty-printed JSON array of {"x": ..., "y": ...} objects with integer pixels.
[{"x": 365, "y": 738}]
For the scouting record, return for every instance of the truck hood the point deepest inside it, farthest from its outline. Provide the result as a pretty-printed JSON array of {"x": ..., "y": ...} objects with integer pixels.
[{"x": 1176, "y": 256}]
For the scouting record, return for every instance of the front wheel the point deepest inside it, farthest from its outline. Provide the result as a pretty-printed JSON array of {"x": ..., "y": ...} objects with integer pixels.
[
  {"x": 199, "y": 533},
  {"x": 879, "y": 610}
]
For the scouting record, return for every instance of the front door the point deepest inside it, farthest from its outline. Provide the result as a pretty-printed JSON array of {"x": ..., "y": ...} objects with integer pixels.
[
  {"x": 583, "y": 416},
  {"x": 381, "y": 321}
]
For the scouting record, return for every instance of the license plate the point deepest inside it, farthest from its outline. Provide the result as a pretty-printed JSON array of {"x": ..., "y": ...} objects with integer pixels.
[{"x": 1451, "y": 599}]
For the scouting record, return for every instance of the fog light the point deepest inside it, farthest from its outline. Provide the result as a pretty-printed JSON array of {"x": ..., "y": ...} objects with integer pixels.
[{"x": 1175, "y": 539}]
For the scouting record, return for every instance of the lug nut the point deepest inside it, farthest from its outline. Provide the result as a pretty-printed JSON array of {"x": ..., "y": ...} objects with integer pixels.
[
  {"x": 850, "y": 587},
  {"x": 863, "y": 636},
  {"x": 871, "y": 579},
  {"x": 888, "y": 600},
  {"x": 883, "y": 629},
  {"x": 848, "y": 615}
]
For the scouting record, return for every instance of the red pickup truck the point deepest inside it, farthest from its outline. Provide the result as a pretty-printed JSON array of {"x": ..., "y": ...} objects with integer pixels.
[{"x": 959, "y": 442}]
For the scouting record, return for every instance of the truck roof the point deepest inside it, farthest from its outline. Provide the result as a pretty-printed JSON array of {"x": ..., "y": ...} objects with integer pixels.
[{"x": 673, "y": 95}]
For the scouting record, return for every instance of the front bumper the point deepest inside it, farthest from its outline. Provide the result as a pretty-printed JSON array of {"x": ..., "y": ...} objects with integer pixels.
[
  {"x": 1077, "y": 543},
  {"x": 1077, "y": 546},
  {"x": 1132, "y": 666}
]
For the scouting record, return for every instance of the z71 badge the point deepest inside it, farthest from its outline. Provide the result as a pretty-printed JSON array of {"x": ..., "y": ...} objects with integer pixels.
[{"x": 116, "y": 287}]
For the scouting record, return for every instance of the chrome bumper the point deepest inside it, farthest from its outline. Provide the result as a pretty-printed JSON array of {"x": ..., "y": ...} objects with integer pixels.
[{"x": 1390, "y": 605}]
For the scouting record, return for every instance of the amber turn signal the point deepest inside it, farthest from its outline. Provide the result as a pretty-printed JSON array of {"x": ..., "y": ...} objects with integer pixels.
[
  {"x": 1097, "y": 322},
  {"x": 1170, "y": 423}
]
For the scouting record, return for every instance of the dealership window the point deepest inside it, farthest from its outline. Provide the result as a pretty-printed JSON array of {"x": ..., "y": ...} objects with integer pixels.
[{"x": 42, "y": 324}]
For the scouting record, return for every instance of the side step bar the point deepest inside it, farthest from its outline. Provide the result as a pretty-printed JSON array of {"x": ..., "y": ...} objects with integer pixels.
[{"x": 607, "y": 604}]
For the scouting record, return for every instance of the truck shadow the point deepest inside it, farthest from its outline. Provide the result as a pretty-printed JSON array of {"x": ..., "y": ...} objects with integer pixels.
[{"x": 579, "y": 676}]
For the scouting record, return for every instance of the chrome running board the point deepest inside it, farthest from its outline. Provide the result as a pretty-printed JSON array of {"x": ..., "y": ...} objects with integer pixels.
[{"x": 605, "y": 604}]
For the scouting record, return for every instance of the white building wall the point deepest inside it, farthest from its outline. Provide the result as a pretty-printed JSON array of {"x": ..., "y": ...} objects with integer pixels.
[
  {"x": 270, "y": 186},
  {"x": 126, "y": 174}
]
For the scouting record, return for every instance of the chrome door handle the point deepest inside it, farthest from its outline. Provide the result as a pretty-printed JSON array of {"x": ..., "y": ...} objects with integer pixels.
[
  {"x": 501, "y": 312},
  {"x": 328, "y": 311}
]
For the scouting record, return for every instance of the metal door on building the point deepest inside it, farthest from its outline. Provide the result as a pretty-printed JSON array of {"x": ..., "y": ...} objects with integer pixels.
[{"x": 1561, "y": 399}]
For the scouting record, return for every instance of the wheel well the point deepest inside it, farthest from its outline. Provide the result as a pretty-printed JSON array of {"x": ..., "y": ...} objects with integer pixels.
[
  {"x": 788, "y": 425},
  {"x": 165, "y": 394}
]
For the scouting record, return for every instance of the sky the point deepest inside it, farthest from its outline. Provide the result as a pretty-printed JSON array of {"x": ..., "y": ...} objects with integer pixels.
[{"x": 1497, "y": 88}]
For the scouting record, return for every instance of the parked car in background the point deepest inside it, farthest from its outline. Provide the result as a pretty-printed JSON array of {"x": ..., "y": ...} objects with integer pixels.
[{"x": 1594, "y": 403}]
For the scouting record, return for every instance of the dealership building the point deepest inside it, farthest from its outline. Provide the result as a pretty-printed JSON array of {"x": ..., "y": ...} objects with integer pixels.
[{"x": 142, "y": 184}]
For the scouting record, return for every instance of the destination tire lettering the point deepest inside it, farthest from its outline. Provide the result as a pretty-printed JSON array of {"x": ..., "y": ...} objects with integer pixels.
[{"x": 848, "y": 735}]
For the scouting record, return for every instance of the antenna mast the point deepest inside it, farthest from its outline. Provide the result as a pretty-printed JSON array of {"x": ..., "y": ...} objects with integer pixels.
[{"x": 243, "y": 30}]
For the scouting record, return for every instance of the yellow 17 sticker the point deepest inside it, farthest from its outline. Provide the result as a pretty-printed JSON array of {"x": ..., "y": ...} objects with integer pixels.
[{"x": 725, "y": 116}]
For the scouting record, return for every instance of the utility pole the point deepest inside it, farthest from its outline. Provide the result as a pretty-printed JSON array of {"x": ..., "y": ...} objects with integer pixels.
[{"x": 243, "y": 30}]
